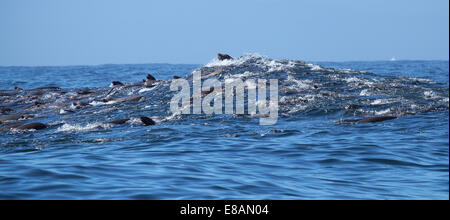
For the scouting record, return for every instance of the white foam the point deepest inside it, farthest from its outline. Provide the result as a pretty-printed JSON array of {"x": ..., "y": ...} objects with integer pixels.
[
  {"x": 250, "y": 85},
  {"x": 18, "y": 131},
  {"x": 172, "y": 117},
  {"x": 365, "y": 92},
  {"x": 270, "y": 65},
  {"x": 352, "y": 80},
  {"x": 358, "y": 81},
  {"x": 277, "y": 66},
  {"x": 55, "y": 123},
  {"x": 97, "y": 103},
  {"x": 297, "y": 108},
  {"x": 135, "y": 121},
  {"x": 383, "y": 112},
  {"x": 101, "y": 140},
  {"x": 80, "y": 128},
  {"x": 49, "y": 95},
  {"x": 146, "y": 90},
  {"x": 233, "y": 62},
  {"x": 430, "y": 95},
  {"x": 422, "y": 80},
  {"x": 314, "y": 67},
  {"x": 242, "y": 75},
  {"x": 300, "y": 84},
  {"x": 150, "y": 106},
  {"x": 62, "y": 111},
  {"x": 105, "y": 110},
  {"x": 380, "y": 102},
  {"x": 347, "y": 71}
]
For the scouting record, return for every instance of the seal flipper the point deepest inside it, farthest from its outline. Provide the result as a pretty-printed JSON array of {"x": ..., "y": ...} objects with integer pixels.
[{"x": 150, "y": 77}]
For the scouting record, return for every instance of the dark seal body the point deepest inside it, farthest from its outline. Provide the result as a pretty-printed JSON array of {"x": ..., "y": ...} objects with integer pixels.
[
  {"x": 147, "y": 121},
  {"x": 119, "y": 122},
  {"x": 377, "y": 119},
  {"x": 117, "y": 84},
  {"x": 35, "y": 126},
  {"x": 222, "y": 57},
  {"x": 150, "y": 77}
]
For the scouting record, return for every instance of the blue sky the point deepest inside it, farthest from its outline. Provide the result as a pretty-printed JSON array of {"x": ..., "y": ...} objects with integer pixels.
[{"x": 71, "y": 32}]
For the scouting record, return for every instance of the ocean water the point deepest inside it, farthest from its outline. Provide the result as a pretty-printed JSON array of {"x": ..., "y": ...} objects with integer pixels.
[{"x": 316, "y": 150}]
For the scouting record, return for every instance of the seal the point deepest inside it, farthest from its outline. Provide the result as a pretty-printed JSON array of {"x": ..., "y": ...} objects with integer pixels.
[
  {"x": 36, "y": 106},
  {"x": 149, "y": 81},
  {"x": 124, "y": 99},
  {"x": 3, "y": 119},
  {"x": 377, "y": 119},
  {"x": 119, "y": 122},
  {"x": 11, "y": 126},
  {"x": 150, "y": 77},
  {"x": 35, "y": 126},
  {"x": 80, "y": 105},
  {"x": 147, "y": 121},
  {"x": 6, "y": 110},
  {"x": 223, "y": 57},
  {"x": 84, "y": 92},
  {"x": 41, "y": 90},
  {"x": 49, "y": 88},
  {"x": 65, "y": 111},
  {"x": 10, "y": 92},
  {"x": 117, "y": 84}
]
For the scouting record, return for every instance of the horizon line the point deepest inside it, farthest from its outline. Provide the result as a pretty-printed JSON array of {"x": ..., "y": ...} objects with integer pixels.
[{"x": 168, "y": 63}]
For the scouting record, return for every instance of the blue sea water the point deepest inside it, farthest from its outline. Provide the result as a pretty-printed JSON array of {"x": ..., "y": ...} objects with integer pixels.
[{"x": 311, "y": 153}]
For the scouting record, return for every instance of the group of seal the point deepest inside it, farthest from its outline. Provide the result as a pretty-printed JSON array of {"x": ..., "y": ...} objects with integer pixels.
[
  {"x": 16, "y": 121},
  {"x": 29, "y": 100}
]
